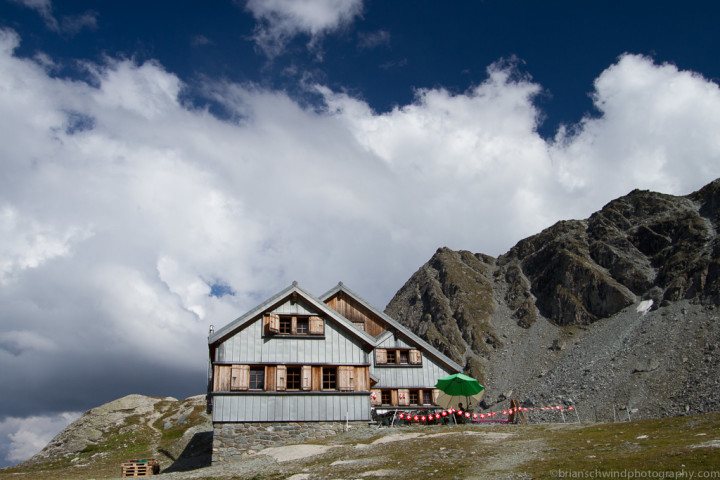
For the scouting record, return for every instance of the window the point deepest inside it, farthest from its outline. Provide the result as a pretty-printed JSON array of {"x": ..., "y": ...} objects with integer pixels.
[
  {"x": 414, "y": 397},
  {"x": 285, "y": 325},
  {"x": 293, "y": 378},
  {"x": 257, "y": 378},
  {"x": 303, "y": 326},
  {"x": 404, "y": 357},
  {"x": 427, "y": 397},
  {"x": 329, "y": 378},
  {"x": 398, "y": 356},
  {"x": 294, "y": 325},
  {"x": 386, "y": 397}
]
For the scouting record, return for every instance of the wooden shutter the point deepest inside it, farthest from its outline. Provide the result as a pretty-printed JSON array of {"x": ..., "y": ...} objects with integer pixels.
[
  {"x": 272, "y": 323},
  {"x": 281, "y": 376},
  {"x": 415, "y": 357},
  {"x": 221, "y": 381},
  {"x": 362, "y": 379},
  {"x": 240, "y": 377},
  {"x": 346, "y": 378},
  {"x": 375, "y": 397},
  {"x": 306, "y": 376},
  {"x": 380, "y": 356},
  {"x": 435, "y": 394},
  {"x": 403, "y": 396},
  {"x": 317, "y": 326}
]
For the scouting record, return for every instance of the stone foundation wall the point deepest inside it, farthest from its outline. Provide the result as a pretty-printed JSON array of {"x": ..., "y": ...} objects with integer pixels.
[{"x": 233, "y": 441}]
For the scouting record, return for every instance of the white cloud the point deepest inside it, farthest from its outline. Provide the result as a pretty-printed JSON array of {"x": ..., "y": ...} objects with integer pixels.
[
  {"x": 281, "y": 20},
  {"x": 26, "y": 243},
  {"x": 27, "y": 436},
  {"x": 657, "y": 129},
  {"x": 121, "y": 206}
]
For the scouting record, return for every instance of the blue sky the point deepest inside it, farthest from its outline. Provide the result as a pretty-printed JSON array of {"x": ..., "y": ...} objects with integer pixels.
[{"x": 168, "y": 165}]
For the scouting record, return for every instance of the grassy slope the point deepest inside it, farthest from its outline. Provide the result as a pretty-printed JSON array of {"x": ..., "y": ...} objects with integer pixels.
[{"x": 690, "y": 444}]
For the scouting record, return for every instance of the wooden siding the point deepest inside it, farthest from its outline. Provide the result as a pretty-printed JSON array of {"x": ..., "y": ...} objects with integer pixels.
[
  {"x": 288, "y": 408},
  {"x": 392, "y": 342},
  {"x": 297, "y": 308},
  {"x": 356, "y": 313},
  {"x": 250, "y": 346}
]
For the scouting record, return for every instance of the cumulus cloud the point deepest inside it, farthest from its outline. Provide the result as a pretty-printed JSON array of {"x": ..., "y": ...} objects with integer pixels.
[
  {"x": 27, "y": 436},
  {"x": 655, "y": 130},
  {"x": 281, "y": 20},
  {"x": 122, "y": 209}
]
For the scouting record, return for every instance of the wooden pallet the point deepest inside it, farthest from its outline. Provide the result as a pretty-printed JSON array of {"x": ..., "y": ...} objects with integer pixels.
[{"x": 140, "y": 468}]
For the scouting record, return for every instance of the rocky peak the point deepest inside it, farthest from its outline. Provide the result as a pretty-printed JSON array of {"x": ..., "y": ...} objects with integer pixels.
[{"x": 645, "y": 247}]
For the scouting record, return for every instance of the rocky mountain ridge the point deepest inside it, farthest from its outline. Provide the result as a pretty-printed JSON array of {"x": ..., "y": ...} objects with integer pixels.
[
  {"x": 177, "y": 433},
  {"x": 618, "y": 310}
]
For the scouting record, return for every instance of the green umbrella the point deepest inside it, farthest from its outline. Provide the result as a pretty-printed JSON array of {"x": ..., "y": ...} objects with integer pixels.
[{"x": 459, "y": 385}]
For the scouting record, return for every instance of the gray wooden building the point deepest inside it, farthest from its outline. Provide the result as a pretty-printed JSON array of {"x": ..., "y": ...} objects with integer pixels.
[{"x": 333, "y": 358}]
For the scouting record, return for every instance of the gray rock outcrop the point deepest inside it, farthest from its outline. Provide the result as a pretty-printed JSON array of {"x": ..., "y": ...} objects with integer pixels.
[{"x": 617, "y": 309}]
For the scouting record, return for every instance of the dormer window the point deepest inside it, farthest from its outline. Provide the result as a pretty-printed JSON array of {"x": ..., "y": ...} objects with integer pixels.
[
  {"x": 398, "y": 356},
  {"x": 275, "y": 324}
]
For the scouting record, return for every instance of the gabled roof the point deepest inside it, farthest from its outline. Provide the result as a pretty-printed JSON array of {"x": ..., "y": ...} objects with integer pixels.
[
  {"x": 241, "y": 322},
  {"x": 340, "y": 287}
]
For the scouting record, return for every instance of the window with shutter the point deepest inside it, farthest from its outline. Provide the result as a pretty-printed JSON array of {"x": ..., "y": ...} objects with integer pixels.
[
  {"x": 329, "y": 378},
  {"x": 380, "y": 356},
  {"x": 293, "y": 378},
  {"x": 302, "y": 326},
  {"x": 280, "y": 378},
  {"x": 403, "y": 396},
  {"x": 285, "y": 325},
  {"x": 375, "y": 397},
  {"x": 257, "y": 378}
]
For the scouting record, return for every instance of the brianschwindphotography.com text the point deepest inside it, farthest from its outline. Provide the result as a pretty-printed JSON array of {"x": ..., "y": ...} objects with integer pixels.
[{"x": 634, "y": 473}]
